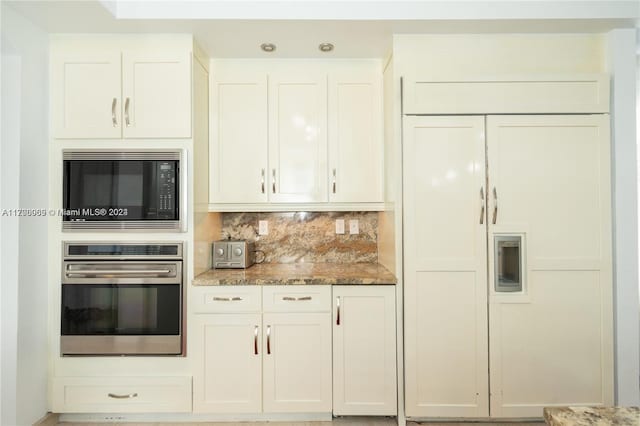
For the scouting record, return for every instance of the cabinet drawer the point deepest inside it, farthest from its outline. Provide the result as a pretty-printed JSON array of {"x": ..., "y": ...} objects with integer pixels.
[
  {"x": 121, "y": 394},
  {"x": 301, "y": 298},
  {"x": 226, "y": 299}
]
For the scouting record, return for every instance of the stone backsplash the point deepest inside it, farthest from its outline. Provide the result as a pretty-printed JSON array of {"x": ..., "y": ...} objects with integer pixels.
[{"x": 305, "y": 237}]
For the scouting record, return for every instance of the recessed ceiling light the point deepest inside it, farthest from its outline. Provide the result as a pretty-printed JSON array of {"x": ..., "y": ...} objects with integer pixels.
[
  {"x": 325, "y": 47},
  {"x": 268, "y": 47}
]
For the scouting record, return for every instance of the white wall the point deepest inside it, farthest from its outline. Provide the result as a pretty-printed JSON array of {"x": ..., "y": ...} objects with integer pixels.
[
  {"x": 622, "y": 66},
  {"x": 24, "y": 169},
  {"x": 9, "y": 236}
]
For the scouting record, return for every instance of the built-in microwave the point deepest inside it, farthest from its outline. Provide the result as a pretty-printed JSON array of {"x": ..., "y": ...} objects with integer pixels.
[{"x": 123, "y": 190}]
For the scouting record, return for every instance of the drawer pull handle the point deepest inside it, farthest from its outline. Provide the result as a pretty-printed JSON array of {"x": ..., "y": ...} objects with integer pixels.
[
  {"x": 295, "y": 299},
  {"x": 127, "y": 396},
  {"x": 338, "y": 310},
  {"x": 227, "y": 299}
]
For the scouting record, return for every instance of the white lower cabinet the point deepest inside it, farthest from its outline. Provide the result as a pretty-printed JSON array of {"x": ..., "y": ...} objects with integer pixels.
[
  {"x": 121, "y": 394},
  {"x": 229, "y": 363},
  {"x": 297, "y": 362},
  {"x": 248, "y": 361},
  {"x": 364, "y": 350}
]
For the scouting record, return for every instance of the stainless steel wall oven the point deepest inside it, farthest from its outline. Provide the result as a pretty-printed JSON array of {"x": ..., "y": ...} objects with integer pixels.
[
  {"x": 123, "y": 189},
  {"x": 122, "y": 298}
]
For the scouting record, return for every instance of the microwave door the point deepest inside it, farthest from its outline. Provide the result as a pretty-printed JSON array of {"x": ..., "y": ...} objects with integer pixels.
[
  {"x": 111, "y": 190},
  {"x": 131, "y": 185},
  {"x": 89, "y": 187}
]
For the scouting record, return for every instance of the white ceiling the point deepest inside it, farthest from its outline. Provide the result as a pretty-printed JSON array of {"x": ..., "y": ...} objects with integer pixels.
[{"x": 358, "y": 28}]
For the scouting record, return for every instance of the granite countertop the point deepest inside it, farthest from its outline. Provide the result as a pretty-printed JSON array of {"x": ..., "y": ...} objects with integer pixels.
[
  {"x": 592, "y": 416},
  {"x": 299, "y": 273}
]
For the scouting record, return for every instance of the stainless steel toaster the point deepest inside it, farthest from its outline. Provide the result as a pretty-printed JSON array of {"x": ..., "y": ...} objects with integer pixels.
[{"x": 233, "y": 254}]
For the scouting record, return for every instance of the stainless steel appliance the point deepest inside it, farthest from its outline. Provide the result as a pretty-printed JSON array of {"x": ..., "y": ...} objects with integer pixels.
[
  {"x": 233, "y": 254},
  {"x": 123, "y": 189},
  {"x": 121, "y": 298}
]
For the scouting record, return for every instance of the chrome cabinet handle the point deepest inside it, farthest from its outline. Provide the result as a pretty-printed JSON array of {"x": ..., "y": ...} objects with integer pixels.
[
  {"x": 295, "y": 299},
  {"x": 273, "y": 180},
  {"x": 262, "y": 181},
  {"x": 338, "y": 310},
  {"x": 126, "y": 112},
  {"x": 482, "y": 204},
  {"x": 255, "y": 340},
  {"x": 495, "y": 205},
  {"x": 268, "y": 340},
  {"x": 227, "y": 299},
  {"x": 334, "y": 181},
  {"x": 114, "y": 119},
  {"x": 127, "y": 396}
]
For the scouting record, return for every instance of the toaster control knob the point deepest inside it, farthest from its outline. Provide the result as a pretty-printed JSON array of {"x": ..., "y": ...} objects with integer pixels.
[
  {"x": 237, "y": 251},
  {"x": 219, "y": 252}
]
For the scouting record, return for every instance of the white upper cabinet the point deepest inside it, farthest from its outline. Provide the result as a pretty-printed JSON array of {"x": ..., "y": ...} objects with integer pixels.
[
  {"x": 156, "y": 93},
  {"x": 296, "y": 133},
  {"x": 239, "y": 136},
  {"x": 117, "y": 87},
  {"x": 355, "y": 136},
  {"x": 85, "y": 89},
  {"x": 507, "y": 93},
  {"x": 298, "y": 137}
]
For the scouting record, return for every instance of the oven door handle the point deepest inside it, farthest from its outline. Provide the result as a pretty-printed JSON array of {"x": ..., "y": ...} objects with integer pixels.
[{"x": 120, "y": 271}]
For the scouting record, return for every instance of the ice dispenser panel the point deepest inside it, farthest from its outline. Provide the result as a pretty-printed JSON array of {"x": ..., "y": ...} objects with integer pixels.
[{"x": 508, "y": 263}]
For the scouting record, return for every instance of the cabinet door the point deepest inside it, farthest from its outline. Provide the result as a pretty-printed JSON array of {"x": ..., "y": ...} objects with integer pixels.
[
  {"x": 85, "y": 89},
  {"x": 364, "y": 350},
  {"x": 298, "y": 137},
  {"x": 445, "y": 267},
  {"x": 238, "y": 155},
  {"x": 355, "y": 136},
  {"x": 551, "y": 343},
  {"x": 156, "y": 93},
  {"x": 227, "y": 350},
  {"x": 297, "y": 363}
]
